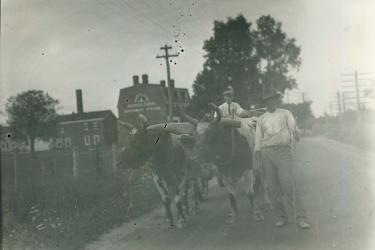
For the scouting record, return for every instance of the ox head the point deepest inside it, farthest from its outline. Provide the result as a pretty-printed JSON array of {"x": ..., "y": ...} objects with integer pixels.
[
  {"x": 212, "y": 137},
  {"x": 146, "y": 141},
  {"x": 135, "y": 151}
]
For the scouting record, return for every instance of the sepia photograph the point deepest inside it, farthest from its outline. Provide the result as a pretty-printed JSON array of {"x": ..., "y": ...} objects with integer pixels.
[{"x": 187, "y": 124}]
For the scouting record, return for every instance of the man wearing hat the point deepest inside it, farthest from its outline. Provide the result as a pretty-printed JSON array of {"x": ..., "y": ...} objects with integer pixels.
[
  {"x": 274, "y": 140},
  {"x": 229, "y": 108}
]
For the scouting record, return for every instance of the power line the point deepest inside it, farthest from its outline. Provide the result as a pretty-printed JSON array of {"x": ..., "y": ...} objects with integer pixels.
[{"x": 356, "y": 86}]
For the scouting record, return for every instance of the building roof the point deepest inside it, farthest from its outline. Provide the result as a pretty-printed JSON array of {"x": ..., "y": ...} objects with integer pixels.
[
  {"x": 85, "y": 115},
  {"x": 155, "y": 89}
]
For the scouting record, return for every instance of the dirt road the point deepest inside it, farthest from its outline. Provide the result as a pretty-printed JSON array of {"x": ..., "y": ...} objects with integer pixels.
[{"x": 337, "y": 185}]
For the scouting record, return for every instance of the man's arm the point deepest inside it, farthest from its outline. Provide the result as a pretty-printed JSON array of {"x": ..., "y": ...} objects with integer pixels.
[
  {"x": 258, "y": 140},
  {"x": 240, "y": 112},
  {"x": 291, "y": 123}
]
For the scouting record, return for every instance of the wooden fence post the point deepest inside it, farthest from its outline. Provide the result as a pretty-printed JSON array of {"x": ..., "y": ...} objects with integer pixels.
[
  {"x": 75, "y": 162},
  {"x": 98, "y": 158},
  {"x": 114, "y": 163},
  {"x": 15, "y": 169}
]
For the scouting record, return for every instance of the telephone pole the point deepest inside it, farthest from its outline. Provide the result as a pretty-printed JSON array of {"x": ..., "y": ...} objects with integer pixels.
[
  {"x": 343, "y": 102},
  {"x": 357, "y": 85},
  {"x": 170, "y": 87},
  {"x": 339, "y": 106},
  {"x": 357, "y": 90},
  {"x": 331, "y": 108}
]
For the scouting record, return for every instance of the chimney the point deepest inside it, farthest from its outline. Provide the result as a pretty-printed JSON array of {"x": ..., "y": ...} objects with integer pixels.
[
  {"x": 79, "y": 101},
  {"x": 162, "y": 83},
  {"x": 145, "y": 79},
  {"x": 135, "y": 80},
  {"x": 172, "y": 83}
]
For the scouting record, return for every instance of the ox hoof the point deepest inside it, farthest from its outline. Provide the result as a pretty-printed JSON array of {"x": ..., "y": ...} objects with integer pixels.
[
  {"x": 258, "y": 216},
  {"x": 167, "y": 225},
  {"x": 181, "y": 224}
]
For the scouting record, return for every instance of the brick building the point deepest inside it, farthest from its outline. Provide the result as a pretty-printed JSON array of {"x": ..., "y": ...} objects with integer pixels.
[
  {"x": 150, "y": 99},
  {"x": 85, "y": 130}
]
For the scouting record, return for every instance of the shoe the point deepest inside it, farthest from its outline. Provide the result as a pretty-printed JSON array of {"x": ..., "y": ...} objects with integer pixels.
[
  {"x": 281, "y": 223},
  {"x": 302, "y": 224}
]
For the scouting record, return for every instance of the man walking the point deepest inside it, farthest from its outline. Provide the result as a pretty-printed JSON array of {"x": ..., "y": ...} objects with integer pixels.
[{"x": 273, "y": 148}]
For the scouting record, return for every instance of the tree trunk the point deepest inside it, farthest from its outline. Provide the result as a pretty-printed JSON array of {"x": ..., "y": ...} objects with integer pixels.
[{"x": 32, "y": 146}]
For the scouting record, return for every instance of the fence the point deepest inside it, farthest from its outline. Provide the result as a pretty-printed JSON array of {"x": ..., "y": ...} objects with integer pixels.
[{"x": 67, "y": 196}]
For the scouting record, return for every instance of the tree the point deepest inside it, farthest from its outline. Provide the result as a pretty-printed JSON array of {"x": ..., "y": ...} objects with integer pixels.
[
  {"x": 302, "y": 112},
  {"x": 250, "y": 60},
  {"x": 31, "y": 115}
]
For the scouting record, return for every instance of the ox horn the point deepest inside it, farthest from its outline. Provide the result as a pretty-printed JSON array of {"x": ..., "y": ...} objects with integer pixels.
[
  {"x": 173, "y": 127},
  {"x": 188, "y": 117},
  {"x": 218, "y": 112},
  {"x": 143, "y": 119}
]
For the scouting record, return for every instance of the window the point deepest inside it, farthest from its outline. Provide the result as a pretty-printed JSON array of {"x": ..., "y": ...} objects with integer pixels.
[
  {"x": 95, "y": 125},
  {"x": 61, "y": 130},
  {"x": 96, "y": 139},
  {"x": 51, "y": 144},
  {"x": 68, "y": 142},
  {"x": 59, "y": 142},
  {"x": 86, "y": 139},
  {"x": 3, "y": 145},
  {"x": 85, "y": 126}
]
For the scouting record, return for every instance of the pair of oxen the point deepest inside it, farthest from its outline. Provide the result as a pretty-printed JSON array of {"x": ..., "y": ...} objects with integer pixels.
[{"x": 183, "y": 156}]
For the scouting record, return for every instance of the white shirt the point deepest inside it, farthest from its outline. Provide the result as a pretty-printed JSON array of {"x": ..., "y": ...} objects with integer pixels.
[
  {"x": 227, "y": 110},
  {"x": 274, "y": 129}
]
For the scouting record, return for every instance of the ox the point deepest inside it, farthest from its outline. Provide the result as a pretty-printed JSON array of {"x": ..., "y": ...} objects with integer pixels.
[
  {"x": 172, "y": 169},
  {"x": 230, "y": 147}
]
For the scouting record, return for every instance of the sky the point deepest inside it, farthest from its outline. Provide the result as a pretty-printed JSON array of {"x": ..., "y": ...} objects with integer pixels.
[{"x": 98, "y": 45}]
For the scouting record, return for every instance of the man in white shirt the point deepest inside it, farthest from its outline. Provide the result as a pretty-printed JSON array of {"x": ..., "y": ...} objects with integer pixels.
[
  {"x": 231, "y": 109},
  {"x": 274, "y": 140}
]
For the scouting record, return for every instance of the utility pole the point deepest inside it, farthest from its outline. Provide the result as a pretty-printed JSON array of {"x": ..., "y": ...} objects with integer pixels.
[
  {"x": 343, "y": 102},
  {"x": 356, "y": 83},
  {"x": 357, "y": 90},
  {"x": 331, "y": 108},
  {"x": 303, "y": 96},
  {"x": 339, "y": 106},
  {"x": 339, "y": 102},
  {"x": 170, "y": 87}
]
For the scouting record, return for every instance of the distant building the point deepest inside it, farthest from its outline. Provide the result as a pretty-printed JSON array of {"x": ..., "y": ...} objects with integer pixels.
[
  {"x": 151, "y": 100},
  {"x": 85, "y": 129},
  {"x": 10, "y": 142}
]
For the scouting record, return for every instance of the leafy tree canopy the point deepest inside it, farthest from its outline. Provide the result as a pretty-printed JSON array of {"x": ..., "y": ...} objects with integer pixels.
[
  {"x": 31, "y": 114},
  {"x": 252, "y": 60}
]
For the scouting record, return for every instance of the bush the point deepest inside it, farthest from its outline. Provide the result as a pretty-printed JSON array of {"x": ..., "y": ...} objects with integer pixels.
[{"x": 62, "y": 212}]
